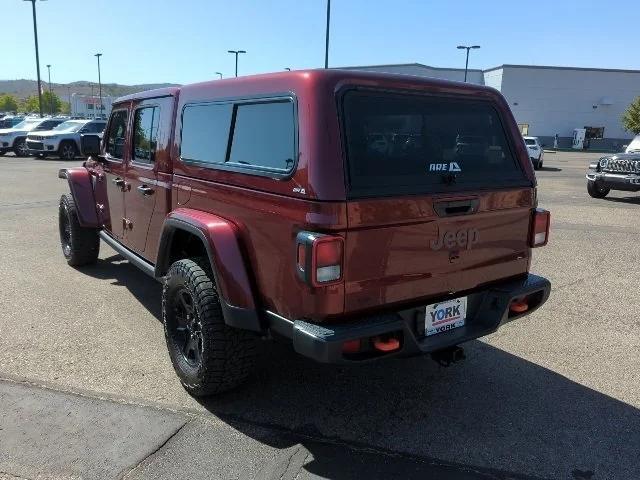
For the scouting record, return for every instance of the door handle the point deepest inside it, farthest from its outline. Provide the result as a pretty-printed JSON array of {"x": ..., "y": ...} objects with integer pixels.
[
  {"x": 456, "y": 207},
  {"x": 145, "y": 190},
  {"x": 118, "y": 181}
]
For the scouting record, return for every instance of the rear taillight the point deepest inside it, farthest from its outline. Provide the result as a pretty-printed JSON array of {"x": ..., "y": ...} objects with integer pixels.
[
  {"x": 319, "y": 258},
  {"x": 540, "y": 222}
]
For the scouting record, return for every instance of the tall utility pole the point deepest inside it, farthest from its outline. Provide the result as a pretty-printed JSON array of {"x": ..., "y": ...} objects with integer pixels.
[
  {"x": 98, "y": 55},
  {"x": 466, "y": 65},
  {"x": 50, "y": 92},
  {"x": 35, "y": 35},
  {"x": 219, "y": 73},
  {"x": 236, "y": 52},
  {"x": 326, "y": 46},
  {"x": 69, "y": 93}
]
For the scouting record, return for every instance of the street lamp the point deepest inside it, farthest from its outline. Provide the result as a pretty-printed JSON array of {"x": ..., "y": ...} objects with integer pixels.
[
  {"x": 287, "y": 69},
  {"x": 69, "y": 93},
  {"x": 218, "y": 73},
  {"x": 35, "y": 36},
  {"x": 98, "y": 55},
  {"x": 236, "y": 52},
  {"x": 50, "y": 93},
  {"x": 466, "y": 65},
  {"x": 326, "y": 45}
]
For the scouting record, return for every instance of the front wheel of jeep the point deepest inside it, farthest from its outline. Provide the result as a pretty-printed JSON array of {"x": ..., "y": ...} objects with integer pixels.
[
  {"x": 597, "y": 191},
  {"x": 80, "y": 245},
  {"x": 209, "y": 356}
]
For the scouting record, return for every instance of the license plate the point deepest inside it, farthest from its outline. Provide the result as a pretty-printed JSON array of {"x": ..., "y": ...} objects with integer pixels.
[{"x": 444, "y": 316}]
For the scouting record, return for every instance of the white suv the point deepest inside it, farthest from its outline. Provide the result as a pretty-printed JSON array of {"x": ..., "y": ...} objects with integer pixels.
[
  {"x": 536, "y": 154},
  {"x": 15, "y": 138},
  {"x": 63, "y": 140}
]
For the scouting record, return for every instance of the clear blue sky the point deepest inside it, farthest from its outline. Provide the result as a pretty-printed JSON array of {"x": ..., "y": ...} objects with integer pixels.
[{"x": 185, "y": 41}]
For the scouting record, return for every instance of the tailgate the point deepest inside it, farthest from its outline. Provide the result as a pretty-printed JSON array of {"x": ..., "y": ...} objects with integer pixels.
[{"x": 408, "y": 249}]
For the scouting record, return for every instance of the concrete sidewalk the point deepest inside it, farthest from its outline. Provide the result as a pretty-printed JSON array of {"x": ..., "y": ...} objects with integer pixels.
[{"x": 47, "y": 434}]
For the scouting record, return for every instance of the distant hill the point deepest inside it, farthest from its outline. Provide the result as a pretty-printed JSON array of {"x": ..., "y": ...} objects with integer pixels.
[{"x": 24, "y": 88}]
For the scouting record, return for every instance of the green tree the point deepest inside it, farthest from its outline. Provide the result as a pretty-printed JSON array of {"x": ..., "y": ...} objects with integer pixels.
[
  {"x": 631, "y": 118},
  {"x": 8, "y": 103},
  {"x": 65, "y": 108},
  {"x": 50, "y": 103}
]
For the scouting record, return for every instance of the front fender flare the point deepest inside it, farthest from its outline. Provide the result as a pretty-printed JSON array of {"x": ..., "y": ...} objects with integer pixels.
[
  {"x": 81, "y": 188},
  {"x": 221, "y": 239}
]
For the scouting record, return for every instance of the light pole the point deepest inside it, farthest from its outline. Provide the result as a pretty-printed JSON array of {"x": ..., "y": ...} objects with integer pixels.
[
  {"x": 50, "y": 92},
  {"x": 287, "y": 69},
  {"x": 326, "y": 46},
  {"x": 236, "y": 52},
  {"x": 218, "y": 73},
  {"x": 35, "y": 35},
  {"x": 466, "y": 65},
  {"x": 69, "y": 93},
  {"x": 98, "y": 55}
]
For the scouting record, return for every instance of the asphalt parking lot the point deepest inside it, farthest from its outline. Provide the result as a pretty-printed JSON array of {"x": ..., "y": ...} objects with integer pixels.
[{"x": 555, "y": 395}]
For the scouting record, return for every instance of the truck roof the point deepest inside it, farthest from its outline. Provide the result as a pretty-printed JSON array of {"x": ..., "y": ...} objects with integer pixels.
[{"x": 270, "y": 82}]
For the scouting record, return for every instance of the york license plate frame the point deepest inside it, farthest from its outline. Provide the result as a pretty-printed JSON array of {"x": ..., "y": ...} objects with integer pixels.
[{"x": 445, "y": 316}]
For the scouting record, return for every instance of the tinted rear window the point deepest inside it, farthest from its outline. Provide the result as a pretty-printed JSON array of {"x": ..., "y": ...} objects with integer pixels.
[
  {"x": 264, "y": 135},
  {"x": 257, "y": 136},
  {"x": 205, "y": 132},
  {"x": 529, "y": 141},
  {"x": 403, "y": 144}
]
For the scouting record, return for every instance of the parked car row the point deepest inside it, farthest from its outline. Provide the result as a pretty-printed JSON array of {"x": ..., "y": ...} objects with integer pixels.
[{"x": 57, "y": 136}]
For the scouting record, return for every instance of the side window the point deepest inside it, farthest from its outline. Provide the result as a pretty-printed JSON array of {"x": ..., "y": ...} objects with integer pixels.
[
  {"x": 264, "y": 135},
  {"x": 145, "y": 132},
  {"x": 117, "y": 133},
  {"x": 205, "y": 132},
  {"x": 93, "y": 128}
]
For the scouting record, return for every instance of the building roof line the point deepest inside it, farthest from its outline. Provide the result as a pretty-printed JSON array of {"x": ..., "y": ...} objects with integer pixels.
[
  {"x": 551, "y": 67},
  {"x": 414, "y": 64}
]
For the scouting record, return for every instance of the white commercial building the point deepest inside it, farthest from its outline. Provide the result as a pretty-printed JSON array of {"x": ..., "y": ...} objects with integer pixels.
[
  {"x": 88, "y": 106},
  {"x": 549, "y": 101}
]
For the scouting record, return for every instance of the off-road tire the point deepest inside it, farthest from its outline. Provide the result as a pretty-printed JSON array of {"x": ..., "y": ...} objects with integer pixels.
[
  {"x": 67, "y": 150},
  {"x": 595, "y": 191},
  {"x": 80, "y": 245},
  {"x": 227, "y": 355},
  {"x": 20, "y": 147}
]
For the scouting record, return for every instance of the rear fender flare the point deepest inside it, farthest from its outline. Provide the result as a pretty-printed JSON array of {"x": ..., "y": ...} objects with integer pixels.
[
  {"x": 221, "y": 239},
  {"x": 81, "y": 189}
]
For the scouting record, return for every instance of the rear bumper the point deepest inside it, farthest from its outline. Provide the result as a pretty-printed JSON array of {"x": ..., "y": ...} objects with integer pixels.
[
  {"x": 488, "y": 309},
  {"x": 616, "y": 181}
]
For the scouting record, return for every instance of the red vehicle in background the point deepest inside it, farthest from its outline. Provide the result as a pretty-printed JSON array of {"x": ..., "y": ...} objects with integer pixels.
[{"x": 348, "y": 212}]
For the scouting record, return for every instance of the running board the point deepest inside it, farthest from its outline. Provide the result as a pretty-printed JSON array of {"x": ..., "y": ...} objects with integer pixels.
[{"x": 133, "y": 257}]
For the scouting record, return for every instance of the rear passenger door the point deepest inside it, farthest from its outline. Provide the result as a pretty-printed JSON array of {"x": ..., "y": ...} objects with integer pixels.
[
  {"x": 113, "y": 167},
  {"x": 151, "y": 120}
]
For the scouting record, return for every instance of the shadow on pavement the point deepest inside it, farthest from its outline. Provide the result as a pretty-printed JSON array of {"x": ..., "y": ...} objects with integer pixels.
[
  {"x": 550, "y": 169},
  {"x": 631, "y": 200},
  {"x": 491, "y": 414}
]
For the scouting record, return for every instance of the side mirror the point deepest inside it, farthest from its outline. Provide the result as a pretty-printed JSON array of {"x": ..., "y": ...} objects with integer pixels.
[{"x": 90, "y": 145}]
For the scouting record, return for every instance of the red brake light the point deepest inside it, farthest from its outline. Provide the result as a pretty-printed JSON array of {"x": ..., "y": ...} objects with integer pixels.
[
  {"x": 540, "y": 228},
  {"x": 319, "y": 258},
  {"x": 328, "y": 252},
  {"x": 326, "y": 260}
]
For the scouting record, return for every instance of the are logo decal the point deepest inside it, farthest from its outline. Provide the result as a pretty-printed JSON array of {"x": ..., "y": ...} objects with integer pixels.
[{"x": 445, "y": 167}]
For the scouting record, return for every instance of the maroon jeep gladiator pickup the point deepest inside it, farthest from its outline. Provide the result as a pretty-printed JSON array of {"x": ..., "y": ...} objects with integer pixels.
[{"x": 359, "y": 215}]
